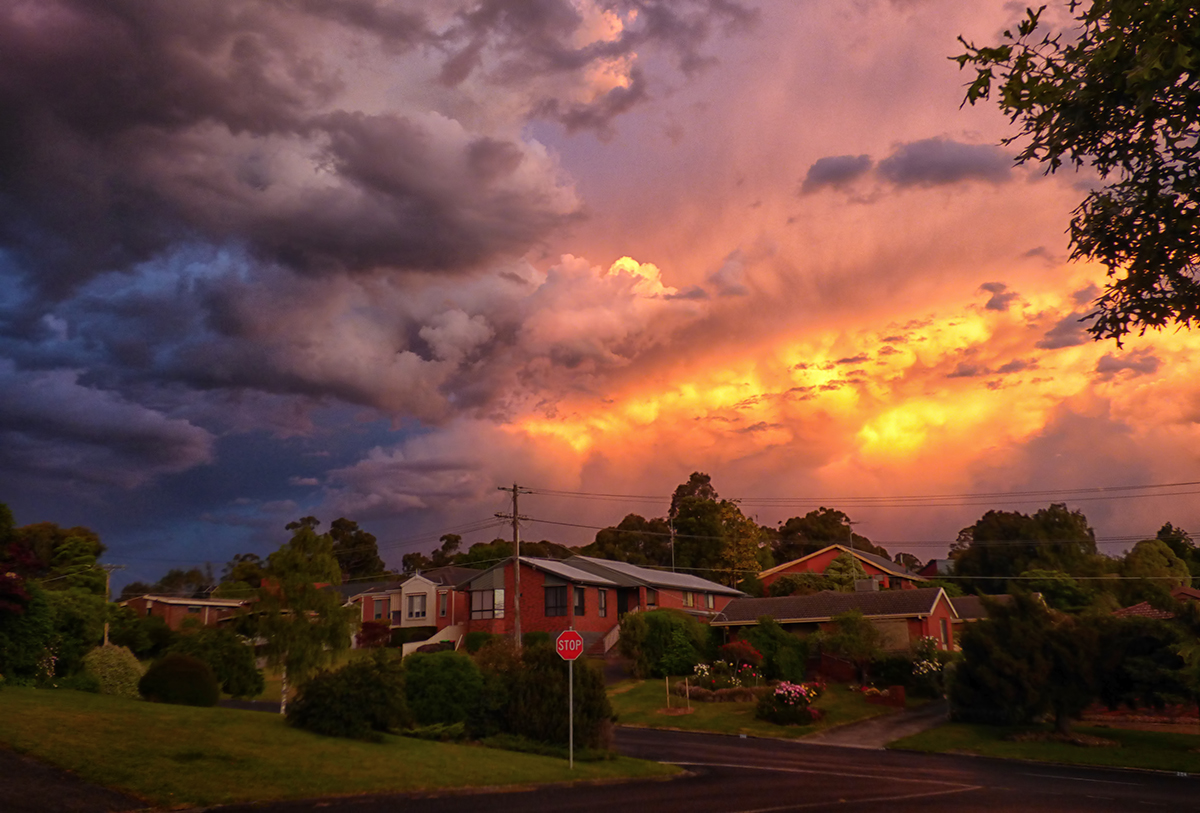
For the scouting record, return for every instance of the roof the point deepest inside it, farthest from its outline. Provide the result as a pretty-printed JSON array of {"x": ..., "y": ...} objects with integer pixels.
[
  {"x": 1180, "y": 593},
  {"x": 828, "y": 603},
  {"x": 886, "y": 565},
  {"x": 970, "y": 608},
  {"x": 1143, "y": 610},
  {"x": 629, "y": 575},
  {"x": 194, "y": 602},
  {"x": 555, "y": 567},
  {"x": 449, "y": 575},
  {"x": 937, "y": 567},
  {"x": 351, "y": 590}
]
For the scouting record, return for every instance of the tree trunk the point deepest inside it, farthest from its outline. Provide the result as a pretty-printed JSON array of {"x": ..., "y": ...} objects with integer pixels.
[
  {"x": 283, "y": 690},
  {"x": 1062, "y": 723}
]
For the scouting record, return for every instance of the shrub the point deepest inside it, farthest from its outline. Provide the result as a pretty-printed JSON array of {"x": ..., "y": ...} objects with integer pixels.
[
  {"x": 115, "y": 669},
  {"x": 147, "y": 636},
  {"x": 536, "y": 638},
  {"x": 680, "y": 657},
  {"x": 230, "y": 657},
  {"x": 403, "y": 635},
  {"x": 373, "y": 634},
  {"x": 358, "y": 701},
  {"x": 789, "y": 704},
  {"x": 180, "y": 679},
  {"x": 800, "y": 584},
  {"x": 441, "y": 687},
  {"x": 474, "y": 641},
  {"x": 784, "y": 655},
  {"x": 524, "y": 695},
  {"x": 741, "y": 652},
  {"x": 646, "y": 638},
  {"x": 892, "y": 670}
]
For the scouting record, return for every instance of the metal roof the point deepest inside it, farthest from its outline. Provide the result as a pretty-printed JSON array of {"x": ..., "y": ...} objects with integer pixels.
[
  {"x": 628, "y": 575},
  {"x": 828, "y": 603}
]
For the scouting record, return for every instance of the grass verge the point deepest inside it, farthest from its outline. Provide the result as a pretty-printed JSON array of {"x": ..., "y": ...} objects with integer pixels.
[
  {"x": 1155, "y": 750},
  {"x": 638, "y": 703},
  {"x": 178, "y": 755}
]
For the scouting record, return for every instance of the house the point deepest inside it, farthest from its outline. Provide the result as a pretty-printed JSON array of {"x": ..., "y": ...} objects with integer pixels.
[
  {"x": 937, "y": 569},
  {"x": 174, "y": 610},
  {"x": 1145, "y": 610},
  {"x": 886, "y": 574},
  {"x": 427, "y": 599},
  {"x": 901, "y": 616},
  {"x": 970, "y": 609},
  {"x": 583, "y": 593}
]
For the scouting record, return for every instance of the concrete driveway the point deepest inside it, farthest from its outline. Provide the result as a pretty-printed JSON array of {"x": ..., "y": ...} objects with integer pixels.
[{"x": 879, "y": 731}]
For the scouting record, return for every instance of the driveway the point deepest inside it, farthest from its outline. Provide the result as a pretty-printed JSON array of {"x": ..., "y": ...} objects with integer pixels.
[{"x": 877, "y": 732}]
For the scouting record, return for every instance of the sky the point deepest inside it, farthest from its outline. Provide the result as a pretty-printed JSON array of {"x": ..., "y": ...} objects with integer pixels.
[{"x": 378, "y": 259}]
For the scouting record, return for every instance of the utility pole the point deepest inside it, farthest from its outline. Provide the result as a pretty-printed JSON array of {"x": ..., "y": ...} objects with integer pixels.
[
  {"x": 108, "y": 571},
  {"x": 671, "y": 526},
  {"x": 516, "y": 517}
]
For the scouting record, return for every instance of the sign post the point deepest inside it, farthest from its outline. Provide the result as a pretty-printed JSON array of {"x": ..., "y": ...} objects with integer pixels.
[{"x": 569, "y": 646}]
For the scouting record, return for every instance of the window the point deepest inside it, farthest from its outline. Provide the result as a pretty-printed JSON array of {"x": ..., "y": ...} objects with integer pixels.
[
  {"x": 709, "y": 602},
  {"x": 487, "y": 603},
  {"x": 380, "y": 608},
  {"x": 556, "y": 601},
  {"x": 193, "y": 609},
  {"x": 651, "y": 598},
  {"x": 580, "y": 605},
  {"x": 602, "y": 603},
  {"x": 689, "y": 599},
  {"x": 416, "y": 606},
  {"x": 945, "y": 634},
  {"x": 443, "y": 600}
]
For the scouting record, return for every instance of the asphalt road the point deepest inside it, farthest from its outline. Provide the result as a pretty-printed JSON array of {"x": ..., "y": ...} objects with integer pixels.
[{"x": 736, "y": 775}]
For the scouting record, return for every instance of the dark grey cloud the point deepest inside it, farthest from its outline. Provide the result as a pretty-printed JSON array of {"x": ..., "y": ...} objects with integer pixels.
[
  {"x": 940, "y": 161},
  {"x": 966, "y": 369},
  {"x": 1141, "y": 362},
  {"x": 1016, "y": 366},
  {"x": 128, "y": 129},
  {"x": 835, "y": 171},
  {"x": 1067, "y": 332},
  {"x": 858, "y": 359},
  {"x": 52, "y": 427},
  {"x": 1000, "y": 298}
]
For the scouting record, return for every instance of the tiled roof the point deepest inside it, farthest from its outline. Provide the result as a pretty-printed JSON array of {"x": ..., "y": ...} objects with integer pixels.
[
  {"x": 628, "y": 575},
  {"x": 1142, "y": 610},
  {"x": 1181, "y": 593},
  {"x": 886, "y": 565},
  {"x": 828, "y": 603},
  {"x": 970, "y": 608}
]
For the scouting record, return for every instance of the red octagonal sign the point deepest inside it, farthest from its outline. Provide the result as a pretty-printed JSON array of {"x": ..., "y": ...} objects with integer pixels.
[{"x": 569, "y": 645}]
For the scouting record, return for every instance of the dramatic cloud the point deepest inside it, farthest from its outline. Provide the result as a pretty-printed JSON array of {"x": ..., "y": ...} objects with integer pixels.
[
  {"x": 835, "y": 170},
  {"x": 1069, "y": 331},
  {"x": 940, "y": 161},
  {"x": 53, "y": 428},
  {"x": 1001, "y": 297},
  {"x": 1138, "y": 363}
]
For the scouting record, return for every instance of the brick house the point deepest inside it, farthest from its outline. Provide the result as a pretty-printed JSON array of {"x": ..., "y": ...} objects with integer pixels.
[
  {"x": 582, "y": 593},
  {"x": 174, "y": 610},
  {"x": 887, "y": 575},
  {"x": 901, "y": 616}
]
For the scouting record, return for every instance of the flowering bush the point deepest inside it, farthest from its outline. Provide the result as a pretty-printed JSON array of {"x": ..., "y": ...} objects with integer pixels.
[
  {"x": 741, "y": 653},
  {"x": 790, "y": 704},
  {"x": 717, "y": 675}
]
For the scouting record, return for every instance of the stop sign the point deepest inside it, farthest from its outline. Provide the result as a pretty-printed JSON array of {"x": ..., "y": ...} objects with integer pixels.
[{"x": 569, "y": 645}]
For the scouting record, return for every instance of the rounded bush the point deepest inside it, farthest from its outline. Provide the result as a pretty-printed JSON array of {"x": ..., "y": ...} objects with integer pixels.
[
  {"x": 229, "y": 655},
  {"x": 476, "y": 640},
  {"x": 182, "y": 680},
  {"x": 356, "y": 701},
  {"x": 788, "y": 704},
  {"x": 116, "y": 670},
  {"x": 442, "y": 687}
]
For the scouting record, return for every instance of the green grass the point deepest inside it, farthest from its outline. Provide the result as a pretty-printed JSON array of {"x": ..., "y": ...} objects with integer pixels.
[
  {"x": 638, "y": 703},
  {"x": 178, "y": 755},
  {"x": 1163, "y": 751}
]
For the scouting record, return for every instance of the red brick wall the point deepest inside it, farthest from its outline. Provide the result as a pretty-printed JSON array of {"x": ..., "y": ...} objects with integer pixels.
[
  {"x": 533, "y": 608},
  {"x": 174, "y": 614}
]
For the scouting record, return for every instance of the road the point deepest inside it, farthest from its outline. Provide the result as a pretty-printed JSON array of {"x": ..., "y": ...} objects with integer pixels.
[{"x": 736, "y": 775}]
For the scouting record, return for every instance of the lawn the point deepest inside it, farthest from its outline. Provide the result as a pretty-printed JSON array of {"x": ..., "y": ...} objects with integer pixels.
[
  {"x": 1154, "y": 750},
  {"x": 639, "y": 703},
  {"x": 178, "y": 755}
]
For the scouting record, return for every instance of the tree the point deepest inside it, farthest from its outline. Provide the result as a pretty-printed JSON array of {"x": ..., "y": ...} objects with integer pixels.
[
  {"x": 853, "y": 637},
  {"x": 1118, "y": 94},
  {"x": 1004, "y": 544},
  {"x": 800, "y": 536},
  {"x": 303, "y": 625},
  {"x": 1151, "y": 570},
  {"x": 444, "y": 555},
  {"x": 801, "y": 584},
  {"x": 908, "y": 560},
  {"x": 698, "y": 487},
  {"x": 637, "y": 540},
  {"x": 242, "y": 575},
  {"x": 844, "y": 571},
  {"x": 230, "y": 656},
  {"x": 1059, "y": 590},
  {"x": 1023, "y": 661},
  {"x": 1181, "y": 544},
  {"x": 356, "y": 550}
]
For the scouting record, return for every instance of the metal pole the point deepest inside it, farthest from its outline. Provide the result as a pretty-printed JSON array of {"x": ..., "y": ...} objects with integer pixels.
[
  {"x": 571, "y": 712},
  {"x": 516, "y": 570}
]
